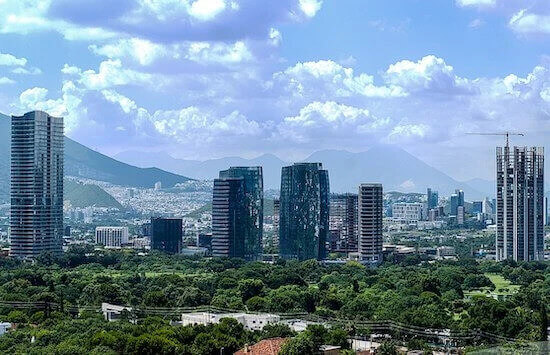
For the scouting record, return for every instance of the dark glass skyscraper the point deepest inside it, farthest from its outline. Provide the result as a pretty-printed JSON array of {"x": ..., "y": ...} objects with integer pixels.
[
  {"x": 433, "y": 199},
  {"x": 166, "y": 234},
  {"x": 36, "y": 222},
  {"x": 252, "y": 203},
  {"x": 520, "y": 204},
  {"x": 304, "y": 211}
]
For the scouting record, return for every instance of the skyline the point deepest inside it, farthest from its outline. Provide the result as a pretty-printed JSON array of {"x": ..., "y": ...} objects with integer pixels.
[{"x": 246, "y": 78}]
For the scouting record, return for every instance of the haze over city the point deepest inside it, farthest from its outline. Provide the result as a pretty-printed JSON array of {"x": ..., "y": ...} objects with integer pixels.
[{"x": 210, "y": 79}]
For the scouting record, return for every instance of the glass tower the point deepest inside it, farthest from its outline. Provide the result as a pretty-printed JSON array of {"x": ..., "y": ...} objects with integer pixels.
[
  {"x": 253, "y": 204},
  {"x": 166, "y": 234},
  {"x": 304, "y": 211},
  {"x": 36, "y": 221}
]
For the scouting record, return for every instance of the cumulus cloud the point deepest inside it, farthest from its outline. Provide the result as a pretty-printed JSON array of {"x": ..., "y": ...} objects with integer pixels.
[
  {"x": 529, "y": 23},
  {"x": 11, "y": 60},
  {"x": 476, "y": 3},
  {"x": 6, "y": 81},
  {"x": 428, "y": 74}
]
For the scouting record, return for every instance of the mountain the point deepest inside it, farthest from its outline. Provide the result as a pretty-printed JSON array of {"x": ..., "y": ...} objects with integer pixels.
[
  {"x": 84, "y": 162},
  {"x": 208, "y": 169},
  {"x": 485, "y": 186},
  {"x": 84, "y": 195},
  {"x": 388, "y": 164}
]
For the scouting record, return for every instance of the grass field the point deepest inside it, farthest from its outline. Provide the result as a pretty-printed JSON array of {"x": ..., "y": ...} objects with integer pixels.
[{"x": 503, "y": 288}]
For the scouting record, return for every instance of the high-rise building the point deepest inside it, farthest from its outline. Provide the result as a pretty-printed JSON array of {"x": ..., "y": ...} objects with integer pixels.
[
  {"x": 460, "y": 215},
  {"x": 166, "y": 234},
  {"x": 520, "y": 203},
  {"x": 343, "y": 222},
  {"x": 304, "y": 211},
  {"x": 252, "y": 215},
  {"x": 371, "y": 213},
  {"x": 111, "y": 237},
  {"x": 457, "y": 200},
  {"x": 36, "y": 222},
  {"x": 487, "y": 208},
  {"x": 433, "y": 199},
  {"x": 477, "y": 207},
  {"x": 276, "y": 218}
]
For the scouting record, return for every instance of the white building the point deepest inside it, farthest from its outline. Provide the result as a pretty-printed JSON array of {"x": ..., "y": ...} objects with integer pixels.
[
  {"x": 249, "y": 321},
  {"x": 111, "y": 237},
  {"x": 4, "y": 326},
  {"x": 408, "y": 212},
  {"x": 112, "y": 312}
]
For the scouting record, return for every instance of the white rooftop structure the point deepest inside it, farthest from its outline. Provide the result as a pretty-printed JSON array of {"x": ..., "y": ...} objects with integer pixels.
[{"x": 249, "y": 321}]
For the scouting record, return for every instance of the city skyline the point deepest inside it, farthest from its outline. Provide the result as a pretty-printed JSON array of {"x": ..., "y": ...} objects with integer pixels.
[{"x": 280, "y": 82}]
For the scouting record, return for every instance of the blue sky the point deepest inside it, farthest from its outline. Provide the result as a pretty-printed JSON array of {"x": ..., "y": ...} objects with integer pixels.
[{"x": 210, "y": 78}]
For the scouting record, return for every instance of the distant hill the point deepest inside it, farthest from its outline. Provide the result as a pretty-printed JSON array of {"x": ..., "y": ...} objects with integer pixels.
[
  {"x": 208, "y": 169},
  {"x": 394, "y": 167},
  {"x": 84, "y": 195},
  {"x": 84, "y": 162}
]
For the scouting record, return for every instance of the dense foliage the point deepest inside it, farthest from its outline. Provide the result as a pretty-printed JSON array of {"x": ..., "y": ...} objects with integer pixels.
[{"x": 429, "y": 295}]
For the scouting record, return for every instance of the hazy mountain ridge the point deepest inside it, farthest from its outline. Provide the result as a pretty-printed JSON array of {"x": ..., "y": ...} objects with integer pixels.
[
  {"x": 394, "y": 167},
  {"x": 83, "y": 162}
]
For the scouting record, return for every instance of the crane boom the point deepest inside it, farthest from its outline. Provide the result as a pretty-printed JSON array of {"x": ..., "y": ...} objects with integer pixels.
[{"x": 506, "y": 134}]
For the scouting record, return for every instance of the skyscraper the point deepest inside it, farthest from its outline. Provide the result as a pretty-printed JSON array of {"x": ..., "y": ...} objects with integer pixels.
[
  {"x": 36, "y": 223},
  {"x": 519, "y": 203},
  {"x": 304, "y": 211},
  {"x": 371, "y": 213},
  {"x": 166, "y": 234},
  {"x": 433, "y": 199},
  {"x": 343, "y": 221},
  {"x": 276, "y": 218},
  {"x": 237, "y": 213}
]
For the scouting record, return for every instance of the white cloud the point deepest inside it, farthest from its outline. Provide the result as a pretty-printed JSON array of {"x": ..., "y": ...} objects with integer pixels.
[
  {"x": 111, "y": 73},
  {"x": 143, "y": 51},
  {"x": 11, "y": 60},
  {"x": 328, "y": 78},
  {"x": 6, "y": 81},
  {"x": 476, "y": 3},
  {"x": 476, "y": 23},
  {"x": 310, "y": 7},
  {"x": 407, "y": 131},
  {"x": 30, "y": 97},
  {"x": 206, "y": 9},
  {"x": 428, "y": 74},
  {"x": 27, "y": 71},
  {"x": 528, "y": 23}
]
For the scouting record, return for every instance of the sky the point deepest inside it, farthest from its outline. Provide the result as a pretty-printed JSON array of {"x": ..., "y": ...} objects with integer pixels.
[{"x": 204, "y": 79}]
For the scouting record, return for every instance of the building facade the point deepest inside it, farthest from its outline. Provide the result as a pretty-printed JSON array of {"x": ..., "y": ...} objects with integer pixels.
[
  {"x": 409, "y": 212},
  {"x": 166, "y": 234},
  {"x": 432, "y": 199},
  {"x": 111, "y": 237},
  {"x": 343, "y": 224},
  {"x": 253, "y": 216},
  {"x": 371, "y": 214},
  {"x": 36, "y": 222},
  {"x": 304, "y": 211},
  {"x": 520, "y": 203},
  {"x": 228, "y": 218}
]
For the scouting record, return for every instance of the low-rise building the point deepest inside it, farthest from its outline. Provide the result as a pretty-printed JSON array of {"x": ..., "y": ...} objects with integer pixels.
[
  {"x": 113, "y": 312},
  {"x": 410, "y": 212},
  {"x": 249, "y": 321},
  {"x": 4, "y": 326},
  {"x": 111, "y": 237}
]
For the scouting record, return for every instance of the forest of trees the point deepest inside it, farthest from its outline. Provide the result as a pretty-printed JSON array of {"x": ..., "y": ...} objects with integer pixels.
[{"x": 425, "y": 294}]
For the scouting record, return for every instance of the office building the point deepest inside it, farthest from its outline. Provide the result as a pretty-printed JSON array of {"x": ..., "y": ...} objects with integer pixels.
[
  {"x": 228, "y": 218},
  {"x": 460, "y": 215},
  {"x": 433, "y": 199},
  {"x": 409, "y": 212},
  {"x": 252, "y": 215},
  {"x": 343, "y": 226},
  {"x": 111, "y": 237},
  {"x": 487, "y": 207},
  {"x": 520, "y": 203},
  {"x": 304, "y": 211},
  {"x": 276, "y": 218},
  {"x": 370, "y": 222},
  {"x": 477, "y": 207},
  {"x": 166, "y": 234},
  {"x": 36, "y": 222}
]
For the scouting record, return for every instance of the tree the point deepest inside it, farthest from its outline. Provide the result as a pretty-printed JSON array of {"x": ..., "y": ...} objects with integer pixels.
[{"x": 302, "y": 344}]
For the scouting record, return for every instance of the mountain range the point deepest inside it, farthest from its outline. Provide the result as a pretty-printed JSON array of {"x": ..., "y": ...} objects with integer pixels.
[
  {"x": 83, "y": 162},
  {"x": 394, "y": 167}
]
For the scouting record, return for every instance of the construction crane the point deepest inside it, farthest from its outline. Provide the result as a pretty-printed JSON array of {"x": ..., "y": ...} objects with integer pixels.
[{"x": 507, "y": 134}]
